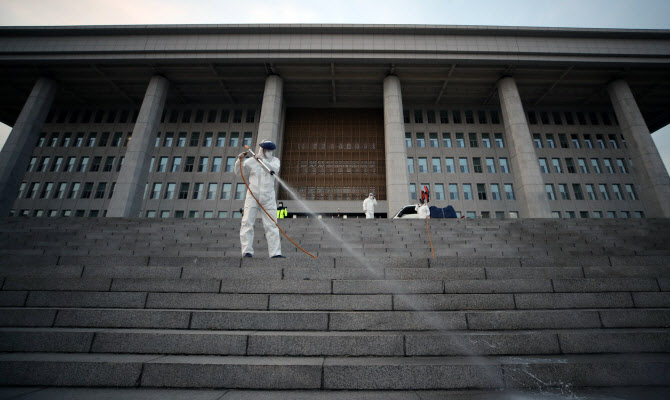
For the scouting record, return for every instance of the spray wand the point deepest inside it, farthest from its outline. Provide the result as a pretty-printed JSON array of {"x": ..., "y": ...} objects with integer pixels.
[{"x": 271, "y": 172}]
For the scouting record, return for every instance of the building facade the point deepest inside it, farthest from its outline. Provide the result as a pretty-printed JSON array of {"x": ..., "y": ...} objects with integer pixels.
[{"x": 497, "y": 122}]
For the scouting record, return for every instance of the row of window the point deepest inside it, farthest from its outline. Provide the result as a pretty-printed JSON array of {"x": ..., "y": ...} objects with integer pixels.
[
  {"x": 168, "y": 139},
  {"x": 480, "y": 116},
  {"x": 171, "y": 116},
  {"x": 466, "y": 193},
  {"x": 601, "y": 141},
  {"x": 434, "y": 141},
  {"x": 463, "y": 166},
  {"x": 148, "y": 214},
  {"x": 583, "y": 165},
  {"x": 455, "y": 116},
  {"x": 558, "y": 118},
  {"x": 605, "y": 194},
  {"x": 159, "y": 190}
]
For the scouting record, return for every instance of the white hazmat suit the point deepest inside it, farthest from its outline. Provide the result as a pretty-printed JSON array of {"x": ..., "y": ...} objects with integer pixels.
[
  {"x": 263, "y": 185},
  {"x": 369, "y": 207},
  {"x": 423, "y": 211}
]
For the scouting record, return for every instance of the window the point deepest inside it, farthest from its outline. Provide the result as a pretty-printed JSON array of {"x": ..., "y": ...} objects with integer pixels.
[
  {"x": 469, "y": 117},
  {"x": 211, "y": 116},
  {"x": 611, "y": 214},
  {"x": 176, "y": 164},
  {"x": 169, "y": 191},
  {"x": 211, "y": 191},
  {"x": 195, "y": 138},
  {"x": 550, "y": 191},
  {"x": 193, "y": 214},
  {"x": 557, "y": 118},
  {"x": 162, "y": 164},
  {"x": 88, "y": 188},
  {"x": 222, "y": 214},
  {"x": 46, "y": 191},
  {"x": 449, "y": 165},
  {"x": 216, "y": 164},
  {"x": 197, "y": 191},
  {"x": 623, "y": 142},
  {"x": 199, "y": 116},
  {"x": 444, "y": 116},
  {"x": 446, "y": 139},
  {"x": 41, "y": 140},
  {"x": 463, "y": 164},
  {"x": 224, "y": 116},
  {"x": 563, "y": 139},
  {"x": 239, "y": 191},
  {"x": 596, "y": 166},
  {"x": 74, "y": 190},
  {"x": 453, "y": 191},
  {"x": 412, "y": 191},
  {"x": 433, "y": 139},
  {"x": 221, "y": 139},
  {"x": 473, "y": 140},
  {"x": 470, "y": 215},
  {"x": 555, "y": 214},
  {"x": 44, "y": 164},
  {"x": 509, "y": 191},
  {"x": 439, "y": 191},
  {"x": 622, "y": 166},
  {"x": 202, "y": 165},
  {"x": 582, "y": 165},
  {"x": 207, "y": 141},
  {"x": 563, "y": 190},
  {"x": 100, "y": 192},
  {"x": 186, "y": 117},
  {"x": 467, "y": 191},
  {"x": 503, "y": 165},
  {"x": 632, "y": 194},
  {"x": 405, "y": 116},
  {"x": 460, "y": 141},
  {"x": 570, "y": 166},
  {"x": 495, "y": 118},
  {"x": 481, "y": 116},
  {"x": 60, "y": 190},
  {"x": 575, "y": 141},
  {"x": 83, "y": 163},
  {"x": 616, "y": 188},
  {"x": 420, "y": 140},
  {"x": 165, "y": 214},
  {"x": 183, "y": 191},
  {"x": 437, "y": 165},
  {"x": 109, "y": 164},
  {"x": 423, "y": 164},
  {"x": 477, "y": 165},
  {"x": 71, "y": 161},
  {"x": 499, "y": 140},
  {"x": 587, "y": 142},
  {"x": 537, "y": 139},
  {"x": 179, "y": 214},
  {"x": 225, "y": 191},
  {"x": 230, "y": 164},
  {"x": 556, "y": 163},
  {"x": 54, "y": 140},
  {"x": 209, "y": 214},
  {"x": 544, "y": 117},
  {"x": 593, "y": 117},
  {"x": 430, "y": 116},
  {"x": 495, "y": 191},
  {"x": 91, "y": 140},
  {"x": 234, "y": 139},
  {"x": 408, "y": 139},
  {"x": 156, "y": 191},
  {"x": 543, "y": 166},
  {"x": 103, "y": 139},
  {"x": 247, "y": 139},
  {"x": 608, "y": 165},
  {"x": 189, "y": 164},
  {"x": 181, "y": 140},
  {"x": 32, "y": 192},
  {"x": 481, "y": 191},
  {"x": 151, "y": 164},
  {"x": 95, "y": 166},
  {"x": 418, "y": 117},
  {"x": 55, "y": 167},
  {"x": 33, "y": 161},
  {"x": 601, "y": 141},
  {"x": 490, "y": 166},
  {"x": 65, "y": 142},
  {"x": 410, "y": 165},
  {"x": 456, "y": 116},
  {"x": 550, "y": 141},
  {"x": 577, "y": 189},
  {"x": 625, "y": 214},
  {"x": 79, "y": 140},
  {"x": 532, "y": 118},
  {"x": 583, "y": 214},
  {"x": 486, "y": 140},
  {"x": 111, "y": 190},
  {"x": 591, "y": 192}
]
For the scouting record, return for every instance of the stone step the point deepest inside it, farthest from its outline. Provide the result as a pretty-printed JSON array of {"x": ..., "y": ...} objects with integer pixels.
[
  {"x": 275, "y": 343},
  {"x": 331, "y": 373}
]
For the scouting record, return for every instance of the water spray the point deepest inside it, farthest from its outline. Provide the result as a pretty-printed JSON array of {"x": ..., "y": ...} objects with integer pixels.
[{"x": 271, "y": 172}]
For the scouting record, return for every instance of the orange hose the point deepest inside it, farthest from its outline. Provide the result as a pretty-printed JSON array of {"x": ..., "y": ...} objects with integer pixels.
[
  {"x": 266, "y": 213},
  {"x": 431, "y": 241}
]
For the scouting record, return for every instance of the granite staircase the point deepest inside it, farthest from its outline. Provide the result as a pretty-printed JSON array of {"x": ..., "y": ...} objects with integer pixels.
[{"x": 505, "y": 304}]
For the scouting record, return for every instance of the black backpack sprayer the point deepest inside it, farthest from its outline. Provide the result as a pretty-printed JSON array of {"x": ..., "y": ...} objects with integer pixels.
[{"x": 271, "y": 172}]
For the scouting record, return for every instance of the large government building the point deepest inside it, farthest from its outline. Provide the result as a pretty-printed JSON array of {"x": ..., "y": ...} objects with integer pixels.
[{"x": 127, "y": 121}]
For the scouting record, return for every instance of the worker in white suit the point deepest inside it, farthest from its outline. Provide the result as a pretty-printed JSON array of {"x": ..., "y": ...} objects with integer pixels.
[
  {"x": 422, "y": 209},
  {"x": 262, "y": 184},
  {"x": 369, "y": 206}
]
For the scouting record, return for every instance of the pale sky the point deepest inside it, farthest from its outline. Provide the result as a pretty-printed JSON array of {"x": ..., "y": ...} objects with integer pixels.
[{"x": 637, "y": 14}]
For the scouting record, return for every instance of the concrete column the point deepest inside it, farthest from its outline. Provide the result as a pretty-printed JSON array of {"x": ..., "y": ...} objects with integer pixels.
[
  {"x": 529, "y": 185},
  {"x": 397, "y": 179},
  {"x": 15, "y": 155},
  {"x": 271, "y": 110},
  {"x": 650, "y": 173},
  {"x": 129, "y": 189}
]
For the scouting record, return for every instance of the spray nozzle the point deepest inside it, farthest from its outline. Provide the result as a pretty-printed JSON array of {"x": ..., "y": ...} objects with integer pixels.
[{"x": 271, "y": 172}]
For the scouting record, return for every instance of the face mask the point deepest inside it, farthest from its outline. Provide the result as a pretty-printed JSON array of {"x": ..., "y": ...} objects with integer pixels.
[{"x": 267, "y": 154}]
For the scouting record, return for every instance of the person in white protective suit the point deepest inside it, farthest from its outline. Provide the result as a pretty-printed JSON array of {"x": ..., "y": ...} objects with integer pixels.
[
  {"x": 369, "y": 206},
  {"x": 422, "y": 209},
  {"x": 262, "y": 184}
]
